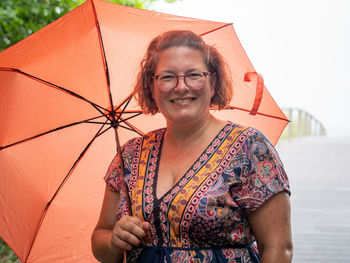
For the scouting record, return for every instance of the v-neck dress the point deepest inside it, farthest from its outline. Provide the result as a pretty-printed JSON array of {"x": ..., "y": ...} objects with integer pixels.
[{"x": 203, "y": 217}]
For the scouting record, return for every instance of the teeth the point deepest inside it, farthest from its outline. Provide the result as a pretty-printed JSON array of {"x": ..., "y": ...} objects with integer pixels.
[{"x": 181, "y": 100}]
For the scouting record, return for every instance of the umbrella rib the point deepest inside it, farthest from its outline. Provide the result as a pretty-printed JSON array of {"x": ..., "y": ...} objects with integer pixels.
[
  {"x": 133, "y": 111},
  {"x": 125, "y": 127},
  {"x": 102, "y": 132},
  {"x": 126, "y": 100},
  {"x": 121, "y": 120},
  {"x": 103, "y": 55},
  {"x": 125, "y": 105},
  {"x": 228, "y": 24},
  {"x": 96, "y": 106},
  {"x": 133, "y": 116},
  {"x": 130, "y": 128},
  {"x": 59, "y": 188},
  {"x": 258, "y": 113},
  {"x": 95, "y": 122},
  {"x": 109, "y": 127},
  {"x": 50, "y": 131},
  {"x": 116, "y": 122}
]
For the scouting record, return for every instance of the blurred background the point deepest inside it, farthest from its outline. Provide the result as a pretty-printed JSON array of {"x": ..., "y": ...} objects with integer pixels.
[{"x": 301, "y": 48}]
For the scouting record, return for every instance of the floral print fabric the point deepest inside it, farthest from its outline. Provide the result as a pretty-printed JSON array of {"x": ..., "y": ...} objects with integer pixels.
[{"x": 202, "y": 218}]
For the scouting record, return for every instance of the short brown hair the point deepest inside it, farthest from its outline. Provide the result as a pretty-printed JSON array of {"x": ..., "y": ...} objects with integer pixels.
[{"x": 182, "y": 38}]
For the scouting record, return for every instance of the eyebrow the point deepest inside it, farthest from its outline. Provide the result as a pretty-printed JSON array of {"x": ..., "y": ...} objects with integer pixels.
[{"x": 173, "y": 72}]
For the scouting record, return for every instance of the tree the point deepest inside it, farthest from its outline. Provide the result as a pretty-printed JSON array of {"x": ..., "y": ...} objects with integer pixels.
[
  {"x": 20, "y": 18},
  {"x": 6, "y": 254}
]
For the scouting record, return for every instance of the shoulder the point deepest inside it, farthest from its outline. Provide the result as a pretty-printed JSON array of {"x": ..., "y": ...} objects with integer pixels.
[
  {"x": 154, "y": 134},
  {"x": 251, "y": 133},
  {"x": 135, "y": 144},
  {"x": 256, "y": 136},
  {"x": 252, "y": 138},
  {"x": 247, "y": 135},
  {"x": 255, "y": 146}
]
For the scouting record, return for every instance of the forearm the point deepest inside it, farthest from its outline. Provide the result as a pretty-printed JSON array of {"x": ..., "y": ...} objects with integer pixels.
[
  {"x": 272, "y": 229},
  {"x": 276, "y": 255},
  {"x": 102, "y": 247}
]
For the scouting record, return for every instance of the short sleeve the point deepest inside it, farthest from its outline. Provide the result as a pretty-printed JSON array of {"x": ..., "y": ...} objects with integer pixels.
[
  {"x": 113, "y": 177},
  {"x": 261, "y": 174}
]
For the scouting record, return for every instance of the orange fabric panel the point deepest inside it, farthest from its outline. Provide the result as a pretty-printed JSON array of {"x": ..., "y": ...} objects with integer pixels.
[
  {"x": 75, "y": 211},
  {"x": 31, "y": 173},
  {"x": 67, "y": 53},
  {"x": 31, "y": 108}
]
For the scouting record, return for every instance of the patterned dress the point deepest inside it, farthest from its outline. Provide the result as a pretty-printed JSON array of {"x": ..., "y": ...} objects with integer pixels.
[{"x": 202, "y": 218}]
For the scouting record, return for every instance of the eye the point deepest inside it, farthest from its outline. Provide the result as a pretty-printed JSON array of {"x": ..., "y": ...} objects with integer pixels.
[
  {"x": 195, "y": 75},
  {"x": 167, "y": 78}
]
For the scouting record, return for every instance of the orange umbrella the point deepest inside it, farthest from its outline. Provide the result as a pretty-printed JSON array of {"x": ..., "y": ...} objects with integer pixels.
[{"x": 62, "y": 90}]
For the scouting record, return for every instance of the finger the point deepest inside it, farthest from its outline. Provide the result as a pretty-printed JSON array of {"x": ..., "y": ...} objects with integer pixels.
[
  {"x": 118, "y": 243},
  {"x": 132, "y": 225},
  {"x": 129, "y": 230},
  {"x": 146, "y": 226},
  {"x": 128, "y": 237},
  {"x": 135, "y": 220}
]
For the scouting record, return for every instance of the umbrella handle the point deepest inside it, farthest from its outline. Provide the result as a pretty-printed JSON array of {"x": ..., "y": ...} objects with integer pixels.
[
  {"x": 259, "y": 90},
  {"x": 124, "y": 185},
  {"x": 124, "y": 258}
]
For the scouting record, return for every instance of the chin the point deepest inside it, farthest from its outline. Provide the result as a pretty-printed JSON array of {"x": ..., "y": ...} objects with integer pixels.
[
  {"x": 189, "y": 115},
  {"x": 184, "y": 118}
]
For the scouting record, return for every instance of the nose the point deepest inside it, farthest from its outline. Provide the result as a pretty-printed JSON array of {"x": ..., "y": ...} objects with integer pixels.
[{"x": 181, "y": 84}]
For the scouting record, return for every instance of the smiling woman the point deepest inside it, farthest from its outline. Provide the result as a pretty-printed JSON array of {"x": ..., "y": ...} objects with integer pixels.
[
  {"x": 211, "y": 60},
  {"x": 202, "y": 189},
  {"x": 176, "y": 100}
]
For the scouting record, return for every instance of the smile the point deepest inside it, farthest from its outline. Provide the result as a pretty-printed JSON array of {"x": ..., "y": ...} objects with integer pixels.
[{"x": 182, "y": 100}]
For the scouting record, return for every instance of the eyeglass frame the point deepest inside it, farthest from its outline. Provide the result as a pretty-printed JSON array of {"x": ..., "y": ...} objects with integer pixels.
[{"x": 206, "y": 73}]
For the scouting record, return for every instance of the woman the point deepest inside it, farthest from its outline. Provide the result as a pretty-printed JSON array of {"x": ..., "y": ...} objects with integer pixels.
[{"x": 202, "y": 189}]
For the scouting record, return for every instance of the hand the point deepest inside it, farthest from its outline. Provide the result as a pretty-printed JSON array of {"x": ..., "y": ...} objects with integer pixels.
[{"x": 128, "y": 232}]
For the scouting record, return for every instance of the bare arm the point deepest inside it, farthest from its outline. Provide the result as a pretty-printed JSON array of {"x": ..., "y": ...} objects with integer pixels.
[
  {"x": 111, "y": 237},
  {"x": 272, "y": 228}
]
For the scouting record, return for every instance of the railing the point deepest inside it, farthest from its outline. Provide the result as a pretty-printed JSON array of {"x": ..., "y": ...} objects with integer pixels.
[{"x": 301, "y": 123}]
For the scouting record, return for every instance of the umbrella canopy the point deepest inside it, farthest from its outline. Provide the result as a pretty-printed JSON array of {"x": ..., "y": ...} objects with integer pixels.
[{"x": 62, "y": 89}]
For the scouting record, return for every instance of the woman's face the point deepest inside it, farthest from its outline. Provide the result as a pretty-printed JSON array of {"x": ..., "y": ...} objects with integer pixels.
[{"x": 182, "y": 103}]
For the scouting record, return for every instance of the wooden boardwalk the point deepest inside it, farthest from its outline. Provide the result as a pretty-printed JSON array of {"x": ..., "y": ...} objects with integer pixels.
[{"x": 319, "y": 173}]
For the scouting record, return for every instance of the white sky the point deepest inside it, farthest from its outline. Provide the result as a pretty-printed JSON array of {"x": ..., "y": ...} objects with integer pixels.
[{"x": 301, "y": 47}]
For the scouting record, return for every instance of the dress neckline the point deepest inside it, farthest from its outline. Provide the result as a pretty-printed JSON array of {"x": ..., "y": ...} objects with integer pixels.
[
  {"x": 184, "y": 178},
  {"x": 198, "y": 177}
]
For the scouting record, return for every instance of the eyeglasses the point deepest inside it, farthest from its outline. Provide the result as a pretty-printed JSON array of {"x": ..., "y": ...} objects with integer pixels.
[{"x": 168, "y": 81}]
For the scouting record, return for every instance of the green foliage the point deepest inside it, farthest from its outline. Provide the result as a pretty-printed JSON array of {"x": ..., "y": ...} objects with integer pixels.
[
  {"x": 20, "y": 18},
  {"x": 6, "y": 254}
]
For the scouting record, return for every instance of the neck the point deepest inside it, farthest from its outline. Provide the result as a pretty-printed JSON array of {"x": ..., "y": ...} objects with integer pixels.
[{"x": 187, "y": 135}]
